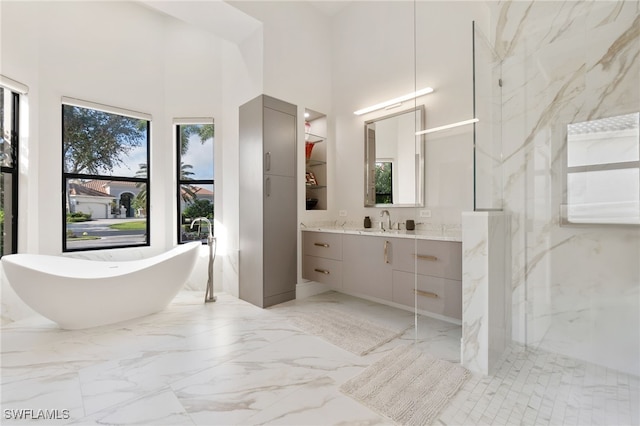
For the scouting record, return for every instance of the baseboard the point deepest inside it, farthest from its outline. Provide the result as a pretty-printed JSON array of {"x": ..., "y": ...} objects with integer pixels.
[{"x": 310, "y": 288}]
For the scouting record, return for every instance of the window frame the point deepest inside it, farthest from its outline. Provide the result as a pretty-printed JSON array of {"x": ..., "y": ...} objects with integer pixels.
[
  {"x": 13, "y": 169},
  {"x": 179, "y": 181},
  {"x": 110, "y": 178}
]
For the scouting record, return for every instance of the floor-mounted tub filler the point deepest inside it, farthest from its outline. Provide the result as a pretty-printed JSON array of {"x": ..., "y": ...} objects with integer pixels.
[{"x": 78, "y": 293}]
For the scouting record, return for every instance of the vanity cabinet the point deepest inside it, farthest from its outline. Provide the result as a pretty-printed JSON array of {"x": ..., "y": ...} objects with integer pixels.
[
  {"x": 322, "y": 258},
  {"x": 428, "y": 273},
  {"x": 367, "y": 265},
  {"x": 268, "y": 201},
  {"x": 403, "y": 271}
]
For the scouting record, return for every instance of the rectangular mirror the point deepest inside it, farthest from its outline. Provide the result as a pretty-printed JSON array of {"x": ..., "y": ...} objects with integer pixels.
[
  {"x": 603, "y": 171},
  {"x": 394, "y": 160}
]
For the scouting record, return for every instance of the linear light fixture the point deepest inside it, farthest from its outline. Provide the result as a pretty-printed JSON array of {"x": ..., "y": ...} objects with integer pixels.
[
  {"x": 447, "y": 126},
  {"x": 394, "y": 101}
]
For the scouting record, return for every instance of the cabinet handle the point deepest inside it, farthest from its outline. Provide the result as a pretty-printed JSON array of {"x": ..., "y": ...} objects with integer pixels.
[
  {"x": 386, "y": 252},
  {"x": 268, "y": 187},
  {"x": 321, "y": 245},
  {"x": 267, "y": 160},
  {"x": 425, "y": 257},
  {"x": 322, "y": 271},
  {"x": 426, "y": 294}
]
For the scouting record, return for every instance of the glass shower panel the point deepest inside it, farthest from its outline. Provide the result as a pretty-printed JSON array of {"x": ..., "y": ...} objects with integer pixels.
[
  {"x": 445, "y": 61},
  {"x": 487, "y": 101}
]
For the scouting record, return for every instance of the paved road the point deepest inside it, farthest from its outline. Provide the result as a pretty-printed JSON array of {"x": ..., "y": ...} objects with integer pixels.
[
  {"x": 100, "y": 227},
  {"x": 108, "y": 236}
]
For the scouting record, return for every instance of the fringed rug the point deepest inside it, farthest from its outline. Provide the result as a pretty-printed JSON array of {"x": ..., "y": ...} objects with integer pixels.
[
  {"x": 345, "y": 330},
  {"x": 407, "y": 385}
]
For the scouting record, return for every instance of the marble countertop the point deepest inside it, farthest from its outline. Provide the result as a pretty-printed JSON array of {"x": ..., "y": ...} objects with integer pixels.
[{"x": 450, "y": 235}]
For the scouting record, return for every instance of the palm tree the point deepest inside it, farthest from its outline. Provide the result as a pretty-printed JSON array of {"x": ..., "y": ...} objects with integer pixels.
[
  {"x": 142, "y": 174},
  {"x": 188, "y": 193}
]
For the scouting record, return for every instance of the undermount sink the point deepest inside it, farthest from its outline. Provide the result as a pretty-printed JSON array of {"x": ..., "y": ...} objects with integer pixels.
[{"x": 386, "y": 231}]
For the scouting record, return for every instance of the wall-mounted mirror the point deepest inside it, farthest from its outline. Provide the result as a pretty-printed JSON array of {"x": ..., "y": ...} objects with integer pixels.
[{"x": 394, "y": 160}]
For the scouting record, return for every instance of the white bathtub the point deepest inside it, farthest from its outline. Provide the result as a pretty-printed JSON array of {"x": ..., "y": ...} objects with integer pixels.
[{"x": 78, "y": 293}]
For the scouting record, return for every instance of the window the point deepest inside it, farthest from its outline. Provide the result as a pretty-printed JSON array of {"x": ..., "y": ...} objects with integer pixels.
[
  {"x": 603, "y": 171},
  {"x": 105, "y": 177},
  {"x": 9, "y": 111},
  {"x": 195, "y": 172}
]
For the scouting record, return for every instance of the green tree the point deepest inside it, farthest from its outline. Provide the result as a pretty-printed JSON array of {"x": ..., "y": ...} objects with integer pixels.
[
  {"x": 188, "y": 194},
  {"x": 96, "y": 142},
  {"x": 384, "y": 183},
  {"x": 199, "y": 208},
  {"x": 141, "y": 197},
  {"x": 204, "y": 132}
]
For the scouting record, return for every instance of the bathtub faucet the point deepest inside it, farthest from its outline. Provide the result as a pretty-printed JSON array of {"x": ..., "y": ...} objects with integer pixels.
[
  {"x": 211, "y": 242},
  {"x": 203, "y": 219}
]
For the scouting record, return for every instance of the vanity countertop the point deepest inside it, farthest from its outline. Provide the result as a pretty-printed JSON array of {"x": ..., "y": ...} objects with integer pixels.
[{"x": 451, "y": 235}]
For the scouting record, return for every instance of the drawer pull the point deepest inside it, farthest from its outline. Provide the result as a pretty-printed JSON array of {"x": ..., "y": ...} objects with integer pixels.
[
  {"x": 322, "y": 271},
  {"x": 426, "y": 257},
  {"x": 321, "y": 245},
  {"x": 426, "y": 294},
  {"x": 386, "y": 252}
]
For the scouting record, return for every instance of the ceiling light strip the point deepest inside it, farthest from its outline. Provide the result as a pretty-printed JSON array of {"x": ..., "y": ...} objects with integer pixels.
[
  {"x": 448, "y": 126},
  {"x": 394, "y": 101}
]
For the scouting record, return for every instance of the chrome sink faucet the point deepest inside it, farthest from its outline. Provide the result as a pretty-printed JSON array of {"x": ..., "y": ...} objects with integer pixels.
[{"x": 382, "y": 213}]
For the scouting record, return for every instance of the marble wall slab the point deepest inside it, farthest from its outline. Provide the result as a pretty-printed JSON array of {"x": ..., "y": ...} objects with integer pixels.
[
  {"x": 575, "y": 290},
  {"x": 486, "y": 313}
]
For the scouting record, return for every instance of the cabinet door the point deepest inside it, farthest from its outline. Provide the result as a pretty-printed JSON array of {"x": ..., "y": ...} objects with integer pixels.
[
  {"x": 280, "y": 235},
  {"x": 279, "y": 143},
  {"x": 366, "y": 265}
]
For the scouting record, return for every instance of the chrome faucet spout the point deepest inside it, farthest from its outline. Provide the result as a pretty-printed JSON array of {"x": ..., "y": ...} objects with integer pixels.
[
  {"x": 203, "y": 219},
  {"x": 382, "y": 213}
]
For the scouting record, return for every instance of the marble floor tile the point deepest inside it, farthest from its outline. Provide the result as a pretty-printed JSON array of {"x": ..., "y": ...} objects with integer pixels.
[{"x": 230, "y": 363}]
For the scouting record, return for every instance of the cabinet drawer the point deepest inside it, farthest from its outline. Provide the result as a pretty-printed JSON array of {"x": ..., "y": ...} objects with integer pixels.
[
  {"x": 327, "y": 271},
  {"x": 428, "y": 257},
  {"x": 322, "y": 244},
  {"x": 434, "y": 294}
]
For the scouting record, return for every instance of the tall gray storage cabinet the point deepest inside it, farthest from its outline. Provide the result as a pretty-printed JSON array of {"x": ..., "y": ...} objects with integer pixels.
[{"x": 268, "y": 201}]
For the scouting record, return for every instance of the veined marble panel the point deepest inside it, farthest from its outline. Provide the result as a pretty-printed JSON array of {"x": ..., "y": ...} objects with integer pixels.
[
  {"x": 575, "y": 289},
  {"x": 485, "y": 291}
]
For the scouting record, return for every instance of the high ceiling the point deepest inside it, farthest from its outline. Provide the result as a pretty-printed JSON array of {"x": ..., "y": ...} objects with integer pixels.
[{"x": 223, "y": 18}]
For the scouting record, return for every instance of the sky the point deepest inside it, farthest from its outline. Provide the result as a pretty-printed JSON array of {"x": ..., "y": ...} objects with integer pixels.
[{"x": 200, "y": 156}]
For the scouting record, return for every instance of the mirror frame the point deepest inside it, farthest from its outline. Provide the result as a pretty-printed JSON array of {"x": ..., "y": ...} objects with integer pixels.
[{"x": 369, "y": 173}]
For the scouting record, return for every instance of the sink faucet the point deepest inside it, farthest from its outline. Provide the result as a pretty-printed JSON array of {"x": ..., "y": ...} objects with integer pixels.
[{"x": 382, "y": 213}]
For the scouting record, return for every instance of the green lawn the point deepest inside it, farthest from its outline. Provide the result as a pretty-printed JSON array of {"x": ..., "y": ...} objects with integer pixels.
[{"x": 129, "y": 226}]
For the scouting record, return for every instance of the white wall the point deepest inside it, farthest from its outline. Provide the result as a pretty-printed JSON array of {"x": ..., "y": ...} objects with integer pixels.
[
  {"x": 373, "y": 60},
  {"x": 125, "y": 55},
  {"x": 296, "y": 68}
]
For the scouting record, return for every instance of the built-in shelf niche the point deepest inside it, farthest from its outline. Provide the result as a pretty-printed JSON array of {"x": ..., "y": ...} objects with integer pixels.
[{"x": 316, "y": 163}]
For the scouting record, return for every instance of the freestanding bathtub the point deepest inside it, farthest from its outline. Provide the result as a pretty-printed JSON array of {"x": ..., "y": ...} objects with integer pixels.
[{"x": 78, "y": 293}]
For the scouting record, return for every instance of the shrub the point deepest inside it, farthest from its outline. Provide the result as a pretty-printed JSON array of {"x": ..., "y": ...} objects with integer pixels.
[{"x": 78, "y": 217}]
